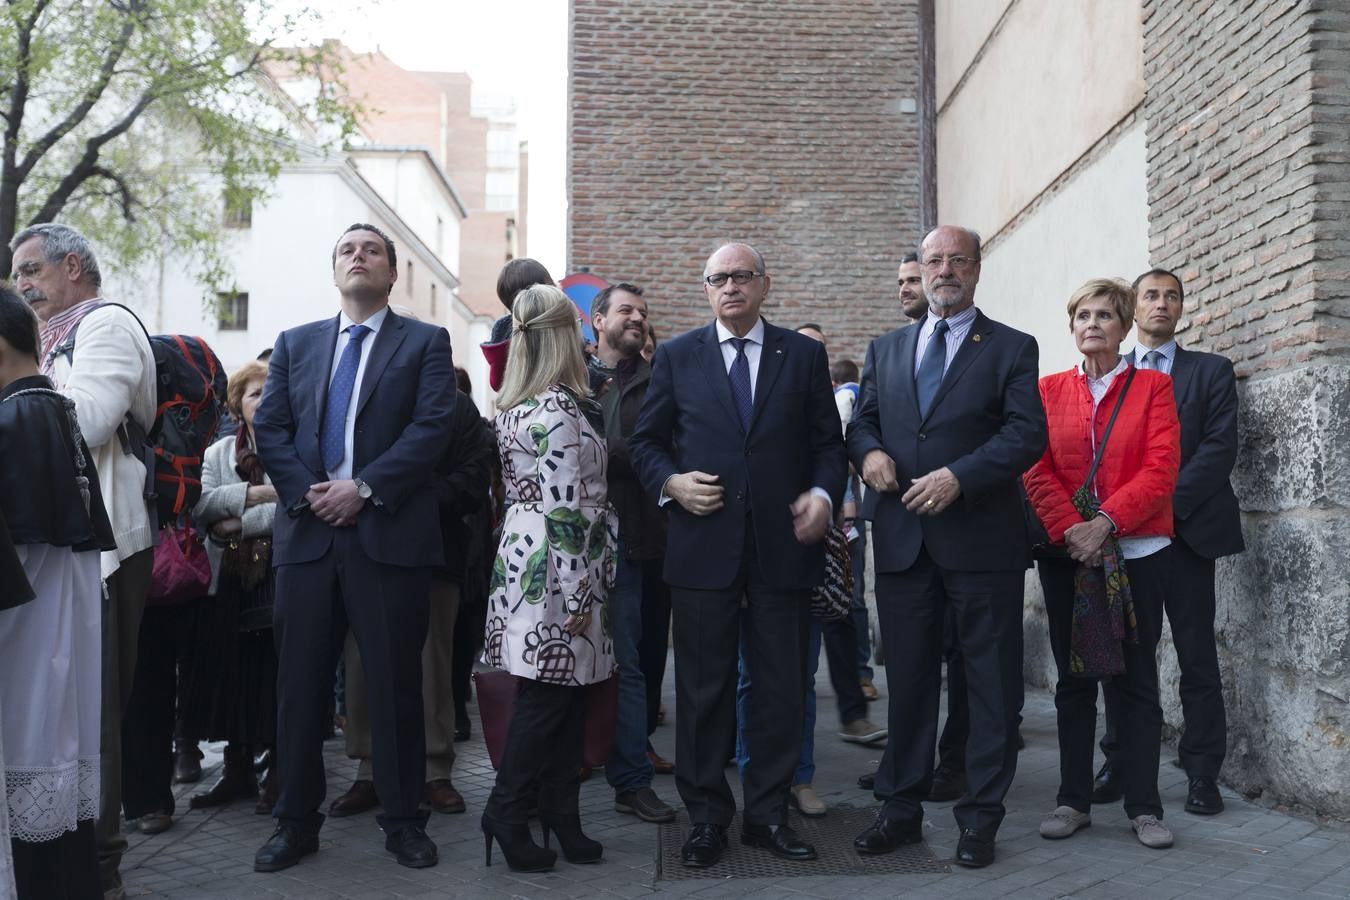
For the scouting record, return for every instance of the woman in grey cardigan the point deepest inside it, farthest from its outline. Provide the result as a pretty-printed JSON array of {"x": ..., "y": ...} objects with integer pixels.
[{"x": 231, "y": 689}]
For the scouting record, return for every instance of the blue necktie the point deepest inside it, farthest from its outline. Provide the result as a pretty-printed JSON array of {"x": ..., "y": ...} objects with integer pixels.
[
  {"x": 929, "y": 377},
  {"x": 740, "y": 382},
  {"x": 1152, "y": 360},
  {"x": 333, "y": 443}
]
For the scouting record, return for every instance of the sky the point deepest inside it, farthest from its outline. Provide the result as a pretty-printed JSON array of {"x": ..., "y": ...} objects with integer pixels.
[{"x": 510, "y": 47}]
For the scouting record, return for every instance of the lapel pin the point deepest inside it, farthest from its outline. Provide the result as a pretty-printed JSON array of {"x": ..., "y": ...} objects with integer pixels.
[{"x": 975, "y": 338}]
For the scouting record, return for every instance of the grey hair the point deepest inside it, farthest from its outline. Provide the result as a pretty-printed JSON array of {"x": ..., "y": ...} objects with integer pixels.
[
  {"x": 970, "y": 233},
  {"x": 760, "y": 268},
  {"x": 58, "y": 242}
]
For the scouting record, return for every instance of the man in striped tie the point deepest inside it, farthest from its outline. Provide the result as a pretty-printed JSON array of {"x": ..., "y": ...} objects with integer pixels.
[
  {"x": 739, "y": 439},
  {"x": 358, "y": 539}
]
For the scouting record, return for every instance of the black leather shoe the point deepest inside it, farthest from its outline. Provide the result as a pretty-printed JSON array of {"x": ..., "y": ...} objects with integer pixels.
[
  {"x": 704, "y": 847},
  {"x": 974, "y": 850},
  {"x": 1202, "y": 798},
  {"x": 867, "y": 782},
  {"x": 284, "y": 849},
  {"x": 780, "y": 840},
  {"x": 1106, "y": 787},
  {"x": 886, "y": 835},
  {"x": 411, "y": 846},
  {"x": 948, "y": 784}
]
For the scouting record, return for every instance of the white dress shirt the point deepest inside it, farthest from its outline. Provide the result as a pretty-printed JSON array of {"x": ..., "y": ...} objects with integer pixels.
[
  {"x": 1130, "y": 547},
  {"x": 958, "y": 326},
  {"x": 344, "y": 469}
]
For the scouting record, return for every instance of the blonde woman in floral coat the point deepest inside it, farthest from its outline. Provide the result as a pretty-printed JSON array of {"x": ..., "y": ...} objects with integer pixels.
[{"x": 546, "y": 620}]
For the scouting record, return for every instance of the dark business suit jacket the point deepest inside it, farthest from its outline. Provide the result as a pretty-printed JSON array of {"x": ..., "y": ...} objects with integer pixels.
[
  {"x": 689, "y": 422},
  {"x": 398, "y": 438},
  {"x": 1204, "y": 507},
  {"x": 986, "y": 425}
]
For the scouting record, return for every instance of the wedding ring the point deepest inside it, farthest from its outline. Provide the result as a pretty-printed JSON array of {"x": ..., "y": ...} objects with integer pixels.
[{"x": 929, "y": 503}]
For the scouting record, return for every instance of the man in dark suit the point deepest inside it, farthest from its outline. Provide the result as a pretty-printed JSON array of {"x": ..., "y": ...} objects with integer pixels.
[
  {"x": 739, "y": 438},
  {"x": 948, "y": 419},
  {"x": 1205, "y": 512},
  {"x": 358, "y": 538}
]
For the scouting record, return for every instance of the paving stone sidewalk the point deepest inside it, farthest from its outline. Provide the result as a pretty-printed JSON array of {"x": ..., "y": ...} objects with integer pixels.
[{"x": 1248, "y": 851}]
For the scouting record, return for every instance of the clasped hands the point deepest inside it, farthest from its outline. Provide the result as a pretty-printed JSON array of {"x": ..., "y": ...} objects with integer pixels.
[
  {"x": 701, "y": 494},
  {"x": 1086, "y": 539},
  {"x": 927, "y": 495},
  {"x": 335, "y": 502}
]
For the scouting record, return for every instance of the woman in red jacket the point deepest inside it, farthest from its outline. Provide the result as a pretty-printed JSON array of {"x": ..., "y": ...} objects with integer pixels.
[{"x": 1113, "y": 530}]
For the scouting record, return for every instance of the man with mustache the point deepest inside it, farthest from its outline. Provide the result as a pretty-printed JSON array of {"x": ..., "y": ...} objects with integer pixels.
[
  {"x": 98, "y": 355},
  {"x": 948, "y": 418},
  {"x": 619, "y": 316}
]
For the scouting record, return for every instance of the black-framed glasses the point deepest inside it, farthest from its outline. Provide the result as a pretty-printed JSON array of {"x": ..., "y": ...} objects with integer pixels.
[
  {"x": 960, "y": 263},
  {"x": 740, "y": 276}
]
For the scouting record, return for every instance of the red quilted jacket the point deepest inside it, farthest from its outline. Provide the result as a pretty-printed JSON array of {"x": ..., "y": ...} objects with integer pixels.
[{"x": 1139, "y": 468}]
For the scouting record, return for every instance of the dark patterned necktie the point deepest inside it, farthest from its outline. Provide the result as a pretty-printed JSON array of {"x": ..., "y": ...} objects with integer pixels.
[
  {"x": 929, "y": 377},
  {"x": 333, "y": 443},
  {"x": 740, "y": 382},
  {"x": 1152, "y": 360}
]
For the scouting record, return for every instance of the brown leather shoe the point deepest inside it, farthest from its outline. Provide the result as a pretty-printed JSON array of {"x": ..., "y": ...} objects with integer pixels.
[
  {"x": 442, "y": 797},
  {"x": 360, "y": 797},
  {"x": 660, "y": 765}
]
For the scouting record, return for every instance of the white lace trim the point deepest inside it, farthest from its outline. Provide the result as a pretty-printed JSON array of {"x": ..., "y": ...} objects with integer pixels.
[{"x": 46, "y": 803}]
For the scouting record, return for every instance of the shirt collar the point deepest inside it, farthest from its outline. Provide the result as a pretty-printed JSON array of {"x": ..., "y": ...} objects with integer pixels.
[
  {"x": 373, "y": 323},
  {"x": 1121, "y": 365},
  {"x": 755, "y": 335},
  {"x": 960, "y": 320},
  {"x": 1168, "y": 350}
]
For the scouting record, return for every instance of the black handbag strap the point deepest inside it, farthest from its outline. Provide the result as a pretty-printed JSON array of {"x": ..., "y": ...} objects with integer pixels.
[{"x": 1110, "y": 423}]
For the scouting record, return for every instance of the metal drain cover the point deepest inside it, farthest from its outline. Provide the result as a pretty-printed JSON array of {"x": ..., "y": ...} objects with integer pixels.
[{"x": 832, "y": 836}]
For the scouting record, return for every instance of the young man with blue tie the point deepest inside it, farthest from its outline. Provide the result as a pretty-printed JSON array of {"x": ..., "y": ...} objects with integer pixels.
[{"x": 359, "y": 537}]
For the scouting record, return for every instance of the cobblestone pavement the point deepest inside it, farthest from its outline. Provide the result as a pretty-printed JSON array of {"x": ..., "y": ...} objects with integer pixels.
[{"x": 1248, "y": 851}]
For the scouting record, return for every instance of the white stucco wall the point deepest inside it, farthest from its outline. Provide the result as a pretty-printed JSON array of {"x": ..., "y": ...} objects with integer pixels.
[{"x": 1095, "y": 225}]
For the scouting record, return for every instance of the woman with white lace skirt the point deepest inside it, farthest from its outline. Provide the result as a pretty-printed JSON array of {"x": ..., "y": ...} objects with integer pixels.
[{"x": 50, "y": 646}]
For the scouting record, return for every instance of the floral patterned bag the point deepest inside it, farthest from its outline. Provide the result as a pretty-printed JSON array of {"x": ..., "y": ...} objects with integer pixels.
[{"x": 832, "y": 599}]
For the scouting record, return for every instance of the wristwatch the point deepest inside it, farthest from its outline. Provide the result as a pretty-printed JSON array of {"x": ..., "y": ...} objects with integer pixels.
[{"x": 362, "y": 489}]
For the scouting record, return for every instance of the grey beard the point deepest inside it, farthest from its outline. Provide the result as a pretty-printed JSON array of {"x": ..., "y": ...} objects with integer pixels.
[{"x": 933, "y": 301}]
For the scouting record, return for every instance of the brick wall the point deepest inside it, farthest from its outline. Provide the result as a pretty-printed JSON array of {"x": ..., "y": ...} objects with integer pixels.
[
  {"x": 1249, "y": 195},
  {"x": 775, "y": 122}
]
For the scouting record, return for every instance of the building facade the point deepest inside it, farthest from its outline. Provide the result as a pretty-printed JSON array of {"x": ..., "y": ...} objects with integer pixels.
[{"x": 792, "y": 127}]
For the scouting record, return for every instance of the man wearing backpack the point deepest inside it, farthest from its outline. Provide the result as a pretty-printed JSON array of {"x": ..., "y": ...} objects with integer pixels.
[{"x": 111, "y": 377}]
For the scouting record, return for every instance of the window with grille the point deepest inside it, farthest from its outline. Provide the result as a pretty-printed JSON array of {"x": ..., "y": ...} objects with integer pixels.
[{"x": 232, "y": 308}]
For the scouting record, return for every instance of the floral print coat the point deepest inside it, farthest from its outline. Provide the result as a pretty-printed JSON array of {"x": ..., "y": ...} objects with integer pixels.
[{"x": 558, "y": 546}]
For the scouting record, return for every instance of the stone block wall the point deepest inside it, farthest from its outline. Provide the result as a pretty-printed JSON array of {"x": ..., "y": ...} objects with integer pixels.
[
  {"x": 788, "y": 123},
  {"x": 1248, "y": 128}
]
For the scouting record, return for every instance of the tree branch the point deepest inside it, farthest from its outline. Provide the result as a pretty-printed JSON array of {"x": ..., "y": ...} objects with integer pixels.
[
  {"x": 91, "y": 96},
  {"x": 128, "y": 199}
]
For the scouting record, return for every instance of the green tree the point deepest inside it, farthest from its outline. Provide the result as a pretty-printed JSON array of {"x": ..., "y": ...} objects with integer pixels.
[{"x": 130, "y": 118}]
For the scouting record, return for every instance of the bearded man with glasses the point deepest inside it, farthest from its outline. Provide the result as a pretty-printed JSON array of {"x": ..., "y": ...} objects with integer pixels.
[{"x": 948, "y": 418}]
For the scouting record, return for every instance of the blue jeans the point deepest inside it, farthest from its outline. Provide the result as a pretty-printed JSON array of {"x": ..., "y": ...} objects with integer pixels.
[
  {"x": 857, "y": 554},
  {"x": 806, "y": 759},
  {"x": 628, "y": 768}
]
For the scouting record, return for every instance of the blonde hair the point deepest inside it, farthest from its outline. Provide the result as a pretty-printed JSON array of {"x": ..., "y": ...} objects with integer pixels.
[
  {"x": 1116, "y": 290},
  {"x": 234, "y": 391},
  {"x": 545, "y": 346}
]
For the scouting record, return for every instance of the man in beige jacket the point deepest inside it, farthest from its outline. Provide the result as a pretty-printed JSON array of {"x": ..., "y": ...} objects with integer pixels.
[{"x": 111, "y": 376}]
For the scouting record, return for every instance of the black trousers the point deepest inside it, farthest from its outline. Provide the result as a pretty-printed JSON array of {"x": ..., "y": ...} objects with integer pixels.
[
  {"x": 840, "y": 638},
  {"x": 148, "y": 726},
  {"x": 1139, "y": 714},
  {"x": 707, "y": 635},
  {"x": 1190, "y": 605},
  {"x": 987, "y": 609},
  {"x": 469, "y": 622},
  {"x": 956, "y": 730},
  {"x": 386, "y": 608},
  {"x": 62, "y": 869},
  {"x": 542, "y": 756},
  {"x": 655, "y": 640}
]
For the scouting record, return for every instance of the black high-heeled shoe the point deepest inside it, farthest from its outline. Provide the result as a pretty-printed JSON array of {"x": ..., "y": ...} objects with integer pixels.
[
  {"x": 518, "y": 846},
  {"x": 576, "y": 847}
]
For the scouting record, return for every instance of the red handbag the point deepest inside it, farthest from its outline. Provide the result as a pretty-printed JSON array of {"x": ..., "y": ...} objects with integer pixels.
[
  {"x": 496, "y": 690},
  {"x": 182, "y": 571}
]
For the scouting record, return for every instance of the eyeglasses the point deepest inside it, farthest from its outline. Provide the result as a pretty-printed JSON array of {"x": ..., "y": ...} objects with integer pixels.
[
  {"x": 960, "y": 263},
  {"x": 740, "y": 276}
]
